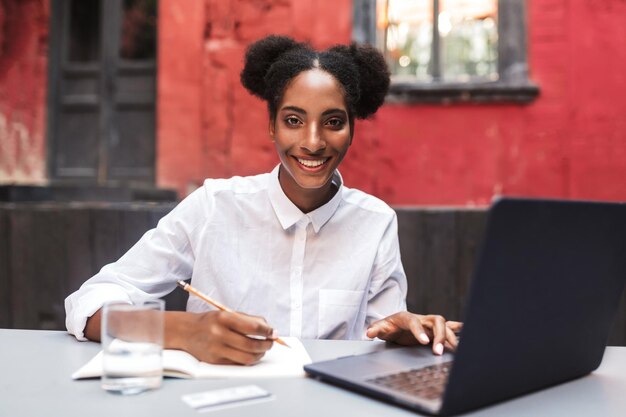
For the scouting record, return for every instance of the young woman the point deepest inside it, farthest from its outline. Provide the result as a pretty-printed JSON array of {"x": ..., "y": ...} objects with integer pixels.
[{"x": 296, "y": 250}]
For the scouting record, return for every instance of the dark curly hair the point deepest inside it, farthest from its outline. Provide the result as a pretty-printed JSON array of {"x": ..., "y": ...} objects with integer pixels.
[{"x": 272, "y": 62}]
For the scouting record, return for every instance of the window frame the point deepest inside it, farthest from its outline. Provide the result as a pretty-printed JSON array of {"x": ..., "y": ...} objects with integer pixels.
[{"x": 513, "y": 84}]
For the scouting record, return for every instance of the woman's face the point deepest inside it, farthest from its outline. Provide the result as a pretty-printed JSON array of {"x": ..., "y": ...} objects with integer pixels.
[{"x": 311, "y": 133}]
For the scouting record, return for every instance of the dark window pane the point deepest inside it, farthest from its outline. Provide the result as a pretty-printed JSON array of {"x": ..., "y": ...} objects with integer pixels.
[
  {"x": 139, "y": 23},
  {"x": 84, "y": 36}
]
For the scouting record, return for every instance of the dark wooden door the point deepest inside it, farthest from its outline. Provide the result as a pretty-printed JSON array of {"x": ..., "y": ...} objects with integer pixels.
[{"x": 102, "y": 91}]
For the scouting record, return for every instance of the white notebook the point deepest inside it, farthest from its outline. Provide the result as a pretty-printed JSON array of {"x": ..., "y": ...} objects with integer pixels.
[{"x": 279, "y": 361}]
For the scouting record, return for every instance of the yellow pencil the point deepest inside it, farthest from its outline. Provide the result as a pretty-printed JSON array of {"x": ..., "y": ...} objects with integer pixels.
[{"x": 192, "y": 290}]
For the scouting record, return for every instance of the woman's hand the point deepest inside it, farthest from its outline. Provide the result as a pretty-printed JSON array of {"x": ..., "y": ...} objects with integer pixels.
[
  {"x": 410, "y": 329},
  {"x": 219, "y": 337}
]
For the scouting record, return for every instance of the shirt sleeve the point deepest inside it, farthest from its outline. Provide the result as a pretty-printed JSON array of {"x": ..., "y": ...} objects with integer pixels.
[
  {"x": 388, "y": 288},
  {"x": 148, "y": 270}
]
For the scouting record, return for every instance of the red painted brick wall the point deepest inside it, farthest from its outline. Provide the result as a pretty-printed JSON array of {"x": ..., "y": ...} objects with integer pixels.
[
  {"x": 209, "y": 126},
  {"x": 23, "y": 66},
  {"x": 571, "y": 142},
  {"x": 181, "y": 153}
]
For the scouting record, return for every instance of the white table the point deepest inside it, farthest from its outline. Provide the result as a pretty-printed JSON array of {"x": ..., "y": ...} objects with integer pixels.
[{"x": 36, "y": 366}]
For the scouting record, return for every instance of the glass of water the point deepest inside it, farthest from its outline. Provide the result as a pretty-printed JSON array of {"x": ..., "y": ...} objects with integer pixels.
[{"x": 132, "y": 342}]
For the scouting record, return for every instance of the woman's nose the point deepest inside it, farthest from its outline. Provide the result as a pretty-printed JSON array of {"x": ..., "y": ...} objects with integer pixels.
[{"x": 313, "y": 141}]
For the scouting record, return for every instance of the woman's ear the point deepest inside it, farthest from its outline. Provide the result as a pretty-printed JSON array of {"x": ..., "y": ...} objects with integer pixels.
[{"x": 272, "y": 126}]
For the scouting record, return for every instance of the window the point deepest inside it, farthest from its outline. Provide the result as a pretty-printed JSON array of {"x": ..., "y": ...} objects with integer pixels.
[{"x": 449, "y": 50}]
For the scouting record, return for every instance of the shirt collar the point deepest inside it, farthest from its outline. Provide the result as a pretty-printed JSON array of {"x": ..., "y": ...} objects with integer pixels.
[{"x": 287, "y": 212}]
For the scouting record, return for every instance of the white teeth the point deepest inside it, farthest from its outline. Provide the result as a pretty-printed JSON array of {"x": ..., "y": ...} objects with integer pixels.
[{"x": 312, "y": 164}]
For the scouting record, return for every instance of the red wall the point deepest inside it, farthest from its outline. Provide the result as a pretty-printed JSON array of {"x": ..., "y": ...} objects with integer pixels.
[
  {"x": 571, "y": 142},
  {"x": 209, "y": 126},
  {"x": 23, "y": 66}
]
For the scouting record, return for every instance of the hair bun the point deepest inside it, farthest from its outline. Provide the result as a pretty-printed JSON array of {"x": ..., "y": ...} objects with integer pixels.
[
  {"x": 373, "y": 76},
  {"x": 259, "y": 58}
]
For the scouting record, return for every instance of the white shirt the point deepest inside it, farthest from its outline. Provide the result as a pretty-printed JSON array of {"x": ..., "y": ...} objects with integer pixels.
[{"x": 325, "y": 274}]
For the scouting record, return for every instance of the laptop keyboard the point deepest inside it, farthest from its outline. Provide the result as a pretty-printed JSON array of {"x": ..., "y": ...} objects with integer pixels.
[{"x": 428, "y": 382}]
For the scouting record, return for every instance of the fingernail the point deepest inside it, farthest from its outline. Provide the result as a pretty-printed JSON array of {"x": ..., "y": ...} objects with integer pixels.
[
  {"x": 274, "y": 334},
  {"x": 439, "y": 349},
  {"x": 424, "y": 338}
]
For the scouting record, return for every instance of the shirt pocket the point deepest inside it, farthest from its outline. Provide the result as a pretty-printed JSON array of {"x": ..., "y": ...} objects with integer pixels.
[{"x": 339, "y": 313}]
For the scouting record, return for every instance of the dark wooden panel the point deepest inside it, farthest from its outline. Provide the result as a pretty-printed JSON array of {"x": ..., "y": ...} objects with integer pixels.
[
  {"x": 135, "y": 220},
  {"x": 429, "y": 255},
  {"x": 48, "y": 250},
  {"x": 23, "y": 288},
  {"x": 77, "y": 142},
  {"x": 105, "y": 230},
  {"x": 413, "y": 256},
  {"x": 5, "y": 266},
  {"x": 470, "y": 227},
  {"x": 440, "y": 266},
  {"x": 133, "y": 155},
  {"x": 48, "y": 236},
  {"x": 39, "y": 266},
  {"x": 78, "y": 248}
]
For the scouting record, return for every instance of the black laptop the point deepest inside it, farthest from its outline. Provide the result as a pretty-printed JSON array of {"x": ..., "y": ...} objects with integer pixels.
[{"x": 544, "y": 294}]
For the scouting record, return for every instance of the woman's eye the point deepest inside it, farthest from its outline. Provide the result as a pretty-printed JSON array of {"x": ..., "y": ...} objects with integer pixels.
[
  {"x": 335, "y": 123},
  {"x": 292, "y": 121}
]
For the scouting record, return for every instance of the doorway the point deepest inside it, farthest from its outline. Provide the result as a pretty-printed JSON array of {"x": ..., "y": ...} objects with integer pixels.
[{"x": 102, "y": 92}]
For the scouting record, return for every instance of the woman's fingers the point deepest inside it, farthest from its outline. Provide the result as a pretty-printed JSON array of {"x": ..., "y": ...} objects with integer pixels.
[
  {"x": 240, "y": 357},
  {"x": 380, "y": 328},
  {"x": 444, "y": 332},
  {"x": 226, "y": 337},
  {"x": 404, "y": 328},
  {"x": 245, "y": 324},
  {"x": 451, "y": 338},
  {"x": 407, "y": 328},
  {"x": 439, "y": 333},
  {"x": 245, "y": 343},
  {"x": 245, "y": 348},
  {"x": 417, "y": 329},
  {"x": 455, "y": 326}
]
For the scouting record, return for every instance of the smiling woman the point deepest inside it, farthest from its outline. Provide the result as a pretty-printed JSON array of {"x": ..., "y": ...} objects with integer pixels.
[
  {"x": 313, "y": 98},
  {"x": 312, "y": 135},
  {"x": 294, "y": 247}
]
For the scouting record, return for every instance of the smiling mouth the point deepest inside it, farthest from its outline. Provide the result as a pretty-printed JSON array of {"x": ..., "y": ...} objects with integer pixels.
[{"x": 312, "y": 163}]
